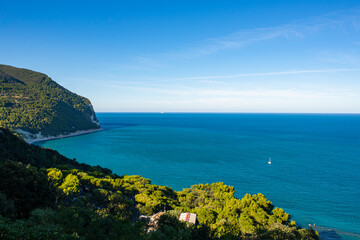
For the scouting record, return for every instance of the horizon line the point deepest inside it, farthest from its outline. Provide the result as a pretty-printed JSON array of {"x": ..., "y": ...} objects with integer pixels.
[{"x": 164, "y": 112}]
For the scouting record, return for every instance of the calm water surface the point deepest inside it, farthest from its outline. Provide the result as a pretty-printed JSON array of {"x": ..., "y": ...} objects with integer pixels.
[{"x": 314, "y": 175}]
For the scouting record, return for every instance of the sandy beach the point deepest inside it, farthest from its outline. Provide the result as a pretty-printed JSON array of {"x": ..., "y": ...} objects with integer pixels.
[{"x": 77, "y": 133}]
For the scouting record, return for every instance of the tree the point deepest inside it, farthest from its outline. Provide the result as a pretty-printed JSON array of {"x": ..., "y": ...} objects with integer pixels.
[
  {"x": 27, "y": 187},
  {"x": 71, "y": 185}
]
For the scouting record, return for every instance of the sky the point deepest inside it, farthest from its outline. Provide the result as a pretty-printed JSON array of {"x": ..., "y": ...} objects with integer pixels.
[{"x": 192, "y": 56}]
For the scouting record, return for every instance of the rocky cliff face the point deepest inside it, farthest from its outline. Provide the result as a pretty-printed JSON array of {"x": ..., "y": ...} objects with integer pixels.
[{"x": 35, "y": 106}]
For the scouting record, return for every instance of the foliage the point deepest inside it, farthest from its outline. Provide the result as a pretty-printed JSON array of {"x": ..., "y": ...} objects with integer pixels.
[
  {"x": 26, "y": 187},
  {"x": 7, "y": 208},
  {"x": 29, "y": 230},
  {"x": 232, "y": 218},
  {"x": 71, "y": 184},
  {"x": 54, "y": 197},
  {"x": 14, "y": 149},
  {"x": 31, "y": 101}
]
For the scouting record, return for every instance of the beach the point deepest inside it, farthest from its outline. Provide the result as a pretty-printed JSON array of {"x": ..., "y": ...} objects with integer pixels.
[{"x": 77, "y": 133}]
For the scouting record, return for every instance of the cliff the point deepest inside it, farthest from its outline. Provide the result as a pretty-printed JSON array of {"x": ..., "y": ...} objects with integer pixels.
[{"x": 36, "y": 107}]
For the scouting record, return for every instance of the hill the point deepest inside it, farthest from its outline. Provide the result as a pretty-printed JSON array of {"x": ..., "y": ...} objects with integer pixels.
[
  {"x": 44, "y": 195},
  {"x": 35, "y": 106}
]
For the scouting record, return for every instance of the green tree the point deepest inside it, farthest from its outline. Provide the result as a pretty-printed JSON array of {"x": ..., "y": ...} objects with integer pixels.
[
  {"x": 71, "y": 184},
  {"x": 7, "y": 208},
  {"x": 27, "y": 187}
]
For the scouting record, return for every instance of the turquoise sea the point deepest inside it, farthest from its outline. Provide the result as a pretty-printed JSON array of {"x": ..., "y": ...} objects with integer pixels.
[{"x": 314, "y": 175}]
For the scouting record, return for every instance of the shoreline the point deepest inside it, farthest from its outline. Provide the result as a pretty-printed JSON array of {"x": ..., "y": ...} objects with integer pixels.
[
  {"x": 333, "y": 231},
  {"x": 77, "y": 133}
]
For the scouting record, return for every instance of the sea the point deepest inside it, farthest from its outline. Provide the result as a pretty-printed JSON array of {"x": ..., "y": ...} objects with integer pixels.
[{"x": 314, "y": 173}]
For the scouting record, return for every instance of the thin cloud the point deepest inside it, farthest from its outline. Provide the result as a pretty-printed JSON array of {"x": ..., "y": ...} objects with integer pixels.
[
  {"x": 295, "y": 72},
  {"x": 340, "y": 20},
  {"x": 339, "y": 57},
  {"x": 299, "y": 29},
  {"x": 216, "y": 79},
  {"x": 257, "y": 93},
  {"x": 238, "y": 40}
]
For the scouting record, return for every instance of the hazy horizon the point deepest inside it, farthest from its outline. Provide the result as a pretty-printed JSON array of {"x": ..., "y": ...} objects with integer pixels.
[
  {"x": 184, "y": 56},
  {"x": 320, "y": 113}
]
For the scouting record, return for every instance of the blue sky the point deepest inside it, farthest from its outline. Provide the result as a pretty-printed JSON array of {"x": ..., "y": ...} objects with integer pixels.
[{"x": 192, "y": 56}]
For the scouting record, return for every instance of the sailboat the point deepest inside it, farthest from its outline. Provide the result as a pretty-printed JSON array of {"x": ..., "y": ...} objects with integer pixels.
[{"x": 269, "y": 162}]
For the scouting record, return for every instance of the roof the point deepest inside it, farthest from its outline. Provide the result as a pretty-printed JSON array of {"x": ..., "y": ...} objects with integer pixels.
[{"x": 188, "y": 217}]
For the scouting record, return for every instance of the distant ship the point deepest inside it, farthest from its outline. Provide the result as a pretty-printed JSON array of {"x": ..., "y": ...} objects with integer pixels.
[{"x": 269, "y": 162}]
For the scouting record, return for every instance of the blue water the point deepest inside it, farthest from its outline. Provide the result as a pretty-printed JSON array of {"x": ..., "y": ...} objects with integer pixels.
[{"x": 314, "y": 175}]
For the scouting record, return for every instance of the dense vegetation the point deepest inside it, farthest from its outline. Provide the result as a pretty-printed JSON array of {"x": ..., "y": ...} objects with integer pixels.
[
  {"x": 34, "y": 103},
  {"x": 44, "y": 195}
]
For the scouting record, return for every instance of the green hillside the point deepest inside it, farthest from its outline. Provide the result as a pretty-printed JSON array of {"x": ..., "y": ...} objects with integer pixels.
[
  {"x": 32, "y": 102},
  {"x": 44, "y": 195}
]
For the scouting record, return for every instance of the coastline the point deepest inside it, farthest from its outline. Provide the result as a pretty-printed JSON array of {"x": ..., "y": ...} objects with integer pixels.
[{"x": 77, "y": 133}]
